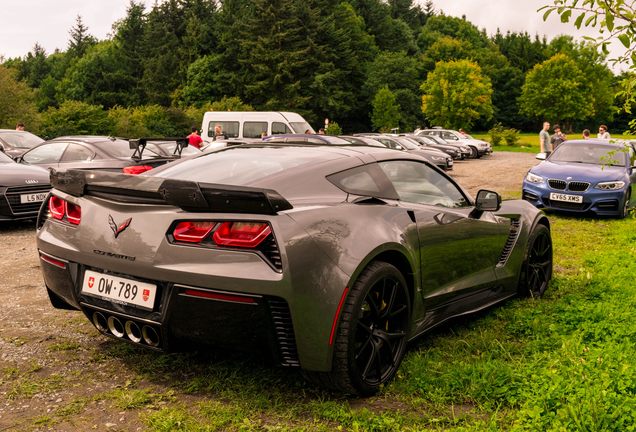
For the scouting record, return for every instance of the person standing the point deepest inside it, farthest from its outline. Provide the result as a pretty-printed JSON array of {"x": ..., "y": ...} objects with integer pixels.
[
  {"x": 194, "y": 139},
  {"x": 557, "y": 138},
  {"x": 603, "y": 133},
  {"x": 218, "y": 133},
  {"x": 544, "y": 139}
]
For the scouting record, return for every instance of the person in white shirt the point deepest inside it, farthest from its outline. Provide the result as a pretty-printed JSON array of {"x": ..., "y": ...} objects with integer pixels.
[{"x": 602, "y": 132}]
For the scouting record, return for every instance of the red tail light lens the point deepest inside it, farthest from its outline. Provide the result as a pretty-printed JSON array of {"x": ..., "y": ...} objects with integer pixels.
[
  {"x": 241, "y": 234},
  {"x": 63, "y": 210},
  {"x": 136, "y": 169},
  {"x": 73, "y": 213},
  {"x": 192, "y": 232},
  {"x": 57, "y": 207}
]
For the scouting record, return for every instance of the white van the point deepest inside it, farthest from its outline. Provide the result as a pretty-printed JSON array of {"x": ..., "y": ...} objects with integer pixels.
[{"x": 252, "y": 124}]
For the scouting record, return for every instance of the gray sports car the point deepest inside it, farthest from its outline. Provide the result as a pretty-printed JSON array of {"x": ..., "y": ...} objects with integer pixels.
[{"x": 331, "y": 258}]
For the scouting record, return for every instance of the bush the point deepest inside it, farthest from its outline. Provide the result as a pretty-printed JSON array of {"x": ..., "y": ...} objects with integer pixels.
[
  {"x": 334, "y": 129},
  {"x": 511, "y": 137},
  {"x": 496, "y": 134},
  {"x": 75, "y": 118}
]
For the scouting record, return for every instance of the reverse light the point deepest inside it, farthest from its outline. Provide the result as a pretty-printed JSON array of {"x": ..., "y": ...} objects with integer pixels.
[
  {"x": 613, "y": 185},
  {"x": 241, "y": 234},
  {"x": 136, "y": 169},
  {"x": 192, "y": 232},
  {"x": 533, "y": 178}
]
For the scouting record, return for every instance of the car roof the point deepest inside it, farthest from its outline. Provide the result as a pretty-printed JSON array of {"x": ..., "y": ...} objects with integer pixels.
[{"x": 91, "y": 139}]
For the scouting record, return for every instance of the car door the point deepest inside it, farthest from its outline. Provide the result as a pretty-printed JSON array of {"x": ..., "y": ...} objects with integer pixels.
[{"x": 459, "y": 248}]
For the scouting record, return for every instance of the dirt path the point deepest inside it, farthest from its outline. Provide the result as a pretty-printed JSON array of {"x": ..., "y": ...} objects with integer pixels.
[{"x": 57, "y": 372}]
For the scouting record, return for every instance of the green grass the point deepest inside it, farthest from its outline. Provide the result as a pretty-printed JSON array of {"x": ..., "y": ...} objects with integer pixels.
[{"x": 529, "y": 142}]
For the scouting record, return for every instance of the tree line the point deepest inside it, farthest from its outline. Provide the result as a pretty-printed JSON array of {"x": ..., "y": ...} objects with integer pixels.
[{"x": 367, "y": 64}]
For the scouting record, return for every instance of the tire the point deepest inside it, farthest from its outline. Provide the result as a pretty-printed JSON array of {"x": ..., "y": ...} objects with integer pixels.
[
  {"x": 372, "y": 334},
  {"x": 474, "y": 153},
  {"x": 625, "y": 210},
  {"x": 537, "y": 269}
]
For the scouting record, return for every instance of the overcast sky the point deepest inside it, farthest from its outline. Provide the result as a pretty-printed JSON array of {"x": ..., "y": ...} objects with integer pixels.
[{"x": 47, "y": 22}]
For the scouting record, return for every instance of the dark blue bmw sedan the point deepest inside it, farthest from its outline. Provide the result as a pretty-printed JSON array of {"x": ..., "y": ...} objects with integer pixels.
[{"x": 584, "y": 176}]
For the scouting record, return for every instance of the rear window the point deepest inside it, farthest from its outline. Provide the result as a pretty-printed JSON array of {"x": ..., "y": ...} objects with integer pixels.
[
  {"x": 241, "y": 165},
  {"x": 23, "y": 140},
  {"x": 230, "y": 128}
]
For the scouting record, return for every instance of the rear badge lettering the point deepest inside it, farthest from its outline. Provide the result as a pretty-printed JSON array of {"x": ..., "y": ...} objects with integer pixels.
[{"x": 114, "y": 255}]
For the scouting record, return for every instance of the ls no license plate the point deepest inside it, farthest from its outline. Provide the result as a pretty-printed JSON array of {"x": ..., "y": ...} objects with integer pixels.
[
  {"x": 33, "y": 197},
  {"x": 118, "y": 289},
  {"x": 566, "y": 198}
]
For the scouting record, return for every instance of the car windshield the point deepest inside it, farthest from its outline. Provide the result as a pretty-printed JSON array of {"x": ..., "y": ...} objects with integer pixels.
[
  {"x": 23, "y": 140},
  {"x": 5, "y": 159},
  {"x": 242, "y": 165},
  {"x": 407, "y": 143},
  {"x": 592, "y": 153}
]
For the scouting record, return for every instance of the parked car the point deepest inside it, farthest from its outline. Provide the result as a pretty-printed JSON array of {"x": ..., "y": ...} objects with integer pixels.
[
  {"x": 584, "y": 176},
  {"x": 222, "y": 143},
  {"x": 439, "y": 158},
  {"x": 330, "y": 257},
  {"x": 465, "y": 150},
  {"x": 478, "y": 148},
  {"x": 22, "y": 189},
  {"x": 427, "y": 142},
  {"x": 363, "y": 140},
  {"x": 14, "y": 142},
  {"x": 94, "y": 152},
  {"x": 307, "y": 138}
]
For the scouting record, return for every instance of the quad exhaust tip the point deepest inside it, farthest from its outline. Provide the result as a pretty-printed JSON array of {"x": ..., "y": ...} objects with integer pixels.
[{"x": 129, "y": 329}]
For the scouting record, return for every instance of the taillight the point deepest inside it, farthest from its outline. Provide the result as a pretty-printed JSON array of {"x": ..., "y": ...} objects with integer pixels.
[
  {"x": 238, "y": 234},
  {"x": 241, "y": 234},
  {"x": 192, "y": 232},
  {"x": 136, "y": 169},
  {"x": 63, "y": 210},
  {"x": 57, "y": 207}
]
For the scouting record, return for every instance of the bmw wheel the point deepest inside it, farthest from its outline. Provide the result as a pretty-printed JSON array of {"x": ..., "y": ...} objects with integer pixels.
[
  {"x": 373, "y": 331},
  {"x": 537, "y": 270},
  {"x": 625, "y": 210}
]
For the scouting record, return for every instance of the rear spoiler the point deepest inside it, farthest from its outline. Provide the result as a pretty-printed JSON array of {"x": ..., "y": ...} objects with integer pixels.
[
  {"x": 139, "y": 144},
  {"x": 188, "y": 195}
]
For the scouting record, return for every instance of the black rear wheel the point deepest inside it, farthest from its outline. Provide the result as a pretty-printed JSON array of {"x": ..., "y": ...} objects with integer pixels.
[
  {"x": 537, "y": 270},
  {"x": 372, "y": 334}
]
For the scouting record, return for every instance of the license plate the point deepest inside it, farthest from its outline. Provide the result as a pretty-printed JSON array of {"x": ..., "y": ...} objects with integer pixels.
[
  {"x": 450, "y": 163},
  {"x": 33, "y": 198},
  {"x": 118, "y": 289},
  {"x": 566, "y": 198}
]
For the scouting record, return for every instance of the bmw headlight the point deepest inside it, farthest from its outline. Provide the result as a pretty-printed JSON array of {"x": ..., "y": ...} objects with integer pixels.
[
  {"x": 439, "y": 158},
  {"x": 612, "y": 185},
  {"x": 533, "y": 178}
]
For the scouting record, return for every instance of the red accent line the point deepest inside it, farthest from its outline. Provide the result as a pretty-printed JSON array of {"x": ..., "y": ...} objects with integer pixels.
[
  {"x": 335, "y": 318},
  {"x": 53, "y": 261},
  {"x": 219, "y": 296}
]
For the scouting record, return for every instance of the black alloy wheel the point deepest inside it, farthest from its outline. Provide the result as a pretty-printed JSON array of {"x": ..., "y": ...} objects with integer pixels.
[
  {"x": 372, "y": 335},
  {"x": 538, "y": 268},
  {"x": 625, "y": 209}
]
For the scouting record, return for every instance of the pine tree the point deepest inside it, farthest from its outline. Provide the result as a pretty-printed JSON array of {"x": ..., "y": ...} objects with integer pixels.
[{"x": 80, "y": 40}]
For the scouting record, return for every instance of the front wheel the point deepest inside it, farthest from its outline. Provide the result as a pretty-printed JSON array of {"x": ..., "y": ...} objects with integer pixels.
[
  {"x": 537, "y": 270},
  {"x": 372, "y": 334},
  {"x": 625, "y": 210}
]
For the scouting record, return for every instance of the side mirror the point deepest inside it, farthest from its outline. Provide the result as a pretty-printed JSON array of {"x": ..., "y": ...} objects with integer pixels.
[
  {"x": 487, "y": 201},
  {"x": 541, "y": 156},
  {"x": 18, "y": 159}
]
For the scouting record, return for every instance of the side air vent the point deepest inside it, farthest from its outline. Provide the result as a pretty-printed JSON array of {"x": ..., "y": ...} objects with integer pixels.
[
  {"x": 515, "y": 224},
  {"x": 284, "y": 332},
  {"x": 270, "y": 250}
]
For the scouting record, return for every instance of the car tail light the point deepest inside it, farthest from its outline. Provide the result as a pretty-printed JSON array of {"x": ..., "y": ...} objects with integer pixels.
[
  {"x": 57, "y": 207},
  {"x": 63, "y": 210},
  {"x": 241, "y": 234},
  {"x": 136, "y": 169},
  {"x": 192, "y": 232}
]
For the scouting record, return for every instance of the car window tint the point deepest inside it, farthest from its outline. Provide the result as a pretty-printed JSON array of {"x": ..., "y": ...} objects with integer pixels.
[
  {"x": 76, "y": 152},
  {"x": 280, "y": 128},
  {"x": 419, "y": 183},
  {"x": 254, "y": 129},
  {"x": 366, "y": 180},
  {"x": 577, "y": 152},
  {"x": 449, "y": 136},
  {"x": 48, "y": 153},
  {"x": 230, "y": 128}
]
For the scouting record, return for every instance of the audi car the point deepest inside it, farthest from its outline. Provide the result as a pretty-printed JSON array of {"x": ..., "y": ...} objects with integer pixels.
[
  {"x": 22, "y": 189},
  {"x": 330, "y": 258},
  {"x": 584, "y": 176}
]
